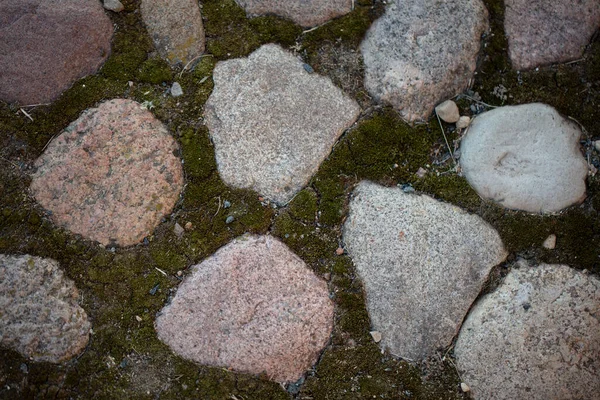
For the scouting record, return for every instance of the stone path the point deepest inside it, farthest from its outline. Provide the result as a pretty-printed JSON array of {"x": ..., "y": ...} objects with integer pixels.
[{"x": 239, "y": 227}]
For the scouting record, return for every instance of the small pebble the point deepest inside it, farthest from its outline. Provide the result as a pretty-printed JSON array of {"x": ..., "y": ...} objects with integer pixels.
[
  {"x": 339, "y": 251},
  {"x": 113, "y": 5},
  {"x": 176, "y": 90},
  {"x": 376, "y": 336},
  {"x": 226, "y": 204},
  {"x": 421, "y": 172},
  {"x": 464, "y": 387},
  {"x": 597, "y": 145},
  {"x": 178, "y": 230},
  {"x": 308, "y": 68},
  {"x": 229, "y": 219},
  {"x": 463, "y": 122},
  {"x": 188, "y": 226},
  {"x": 138, "y": 318},
  {"x": 327, "y": 276},
  {"x": 179, "y": 273},
  {"x": 448, "y": 111},
  {"x": 550, "y": 242},
  {"x": 154, "y": 289}
]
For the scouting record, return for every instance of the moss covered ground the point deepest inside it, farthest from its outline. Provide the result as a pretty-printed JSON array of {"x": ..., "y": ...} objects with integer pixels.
[{"x": 122, "y": 289}]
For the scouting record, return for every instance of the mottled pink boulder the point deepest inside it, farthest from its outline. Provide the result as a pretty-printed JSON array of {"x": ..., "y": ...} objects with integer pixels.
[
  {"x": 46, "y": 45},
  {"x": 39, "y": 314},
  {"x": 253, "y": 306},
  {"x": 543, "y": 32},
  {"x": 303, "y": 12},
  {"x": 111, "y": 175}
]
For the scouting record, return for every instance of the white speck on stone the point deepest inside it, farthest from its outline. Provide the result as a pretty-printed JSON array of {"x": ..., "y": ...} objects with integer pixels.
[
  {"x": 448, "y": 111},
  {"x": 525, "y": 157},
  {"x": 550, "y": 242},
  {"x": 113, "y": 5},
  {"x": 376, "y": 335},
  {"x": 176, "y": 89},
  {"x": 463, "y": 122}
]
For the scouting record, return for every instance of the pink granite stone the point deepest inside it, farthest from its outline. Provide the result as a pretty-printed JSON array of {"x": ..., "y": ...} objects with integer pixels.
[
  {"x": 543, "y": 32},
  {"x": 253, "y": 306},
  {"x": 303, "y": 12},
  {"x": 111, "y": 175},
  {"x": 46, "y": 45}
]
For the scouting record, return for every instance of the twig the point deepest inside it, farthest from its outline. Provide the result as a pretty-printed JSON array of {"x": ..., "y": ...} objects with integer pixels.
[
  {"x": 475, "y": 100},
  {"x": 218, "y": 208},
  {"x": 10, "y": 162},
  {"x": 575, "y": 61},
  {"x": 191, "y": 61},
  {"x": 580, "y": 125},
  {"x": 161, "y": 271},
  {"x": 51, "y": 139},
  {"x": 446, "y": 139},
  {"x": 27, "y": 115},
  {"x": 35, "y": 105}
]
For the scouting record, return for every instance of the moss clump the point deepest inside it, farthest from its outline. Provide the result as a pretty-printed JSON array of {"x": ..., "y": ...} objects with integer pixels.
[
  {"x": 304, "y": 205},
  {"x": 155, "y": 70}
]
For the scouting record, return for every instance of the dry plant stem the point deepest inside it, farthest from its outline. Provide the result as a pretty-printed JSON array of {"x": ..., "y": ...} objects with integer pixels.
[{"x": 446, "y": 139}]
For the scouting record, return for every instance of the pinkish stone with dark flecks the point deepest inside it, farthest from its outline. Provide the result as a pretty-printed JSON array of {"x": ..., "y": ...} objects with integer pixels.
[
  {"x": 46, "y": 45},
  {"x": 303, "y": 12},
  {"x": 542, "y": 32},
  {"x": 253, "y": 306},
  {"x": 39, "y": 314},
  {"x": 111, "y": 175}
]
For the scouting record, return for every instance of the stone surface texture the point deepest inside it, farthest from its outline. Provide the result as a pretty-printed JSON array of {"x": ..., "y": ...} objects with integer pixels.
[
  {"x": 306, "y": 13},
  {"x": 536, "y": 337},
  {"x": 542, "y": 32},
  {"x": 111, "y": 175},
  {"x": 273, "y": 123},
  {"x": 422, "y": 263},
  {"x": 176, "y": 28},
  {"x": 40, "y": 317},
  {"x": 525, "y": 157},
  {"x": 253, "y": 306},
  {"x": 421, "y": 52},
  {"x": 46, "y": 45}
]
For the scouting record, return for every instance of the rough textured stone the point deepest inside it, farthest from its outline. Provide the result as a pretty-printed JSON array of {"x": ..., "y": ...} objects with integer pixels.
[
  {"x": 111, "y": 175},
  {"x": 272, "y": 122},
  {"x": 303, "y": 12},
  {"x": 422, "y": 262},
  {"x": 421, "y": 52},
  {"x": 253, "y": 306},
  {"x": 40, "y": 317},
  {"x": 536, "y": 337},
  {"x": 549, "y": 31},
  {"x": 46, "y": 45},
  {"x": 175, "y": 27},
  {"x": 525, "y": 157}
]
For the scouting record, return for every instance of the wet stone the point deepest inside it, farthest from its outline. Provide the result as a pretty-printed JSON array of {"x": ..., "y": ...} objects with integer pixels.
[
  {"x": 542, "y": 32},
  {"x": 46, "y": 45},
  {"x": 306, "y": 13},
  {"x": 111, "y": 175},
  {"x": 253, "y": 306},
  {"x": 536, "y": 337},
  {"x": 40, "y": 316},
  {"x": 176, "y": 28},
  {"x": 421, "y": 52},
  {"x": 525, "y": 157},
  {"x": 422, "y": 263},
  {"x": 273, "y": 123}
]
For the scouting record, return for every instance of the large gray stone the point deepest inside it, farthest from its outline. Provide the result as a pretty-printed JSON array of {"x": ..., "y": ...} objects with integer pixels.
[
  {"x": 111, "y": 175},
  {"x": 272, "y": 122},
  {"x": 303, "y": 12},
  {"x": 39, "y": 314},
  {"x": 543, "y": 32},
  {"x": 421, "y": 52},
  {"x": 536, "y": 337},
  {"x": 525, "y": 157},
  {"x": 176, "y": 28},
  {"x": 253, "y": 306},
  {"x": 46, "y": 45},
  {"x": 422, "y": 262}
]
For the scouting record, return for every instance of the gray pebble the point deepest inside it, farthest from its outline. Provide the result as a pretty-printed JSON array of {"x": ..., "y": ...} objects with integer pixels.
[
  {"x": 229, "y": 219},
  {"x": 226, "y": 204},
  {"x": 176, "y": 90}
]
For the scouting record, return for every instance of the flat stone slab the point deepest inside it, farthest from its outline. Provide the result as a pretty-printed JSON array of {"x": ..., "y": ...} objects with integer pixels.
[
  {"x": 111, "y": 175},
  {"x": 536, "y": 337},
  {"x": 306, "y": 13},
  {"x": 176, "y": 28},
  {"x": 422, "y": 263},
  {"x": 47, "y": 45},
  {"x": 421, "y": 52},
  {"x": 272, "y": 122},
  {"x": 253, "y": 306},
  {"x": 40, "y": 316},
  {"x": 542, "y": 32},
  {"x": 525, "y": 157}
]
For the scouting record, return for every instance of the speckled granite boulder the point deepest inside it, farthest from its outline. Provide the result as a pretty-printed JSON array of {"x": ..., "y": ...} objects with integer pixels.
[
  {"x": 46, "y": 45},
  {"x": 421, "y": 52},
  {"x": 536, "y": 337},
  {"x": 111, "y": 175},
  {"x": 422, "y": 263},
  {"x": 39, "y": 316},
  {"x": 273, "y": 123},
  {"x": 543, "y": 32},
  {"x": 303, "y": 12},
  {"x": 175, "y": 27},
  {"x": 525, "y": 157},
  {"x": 253, "y": 306}
]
